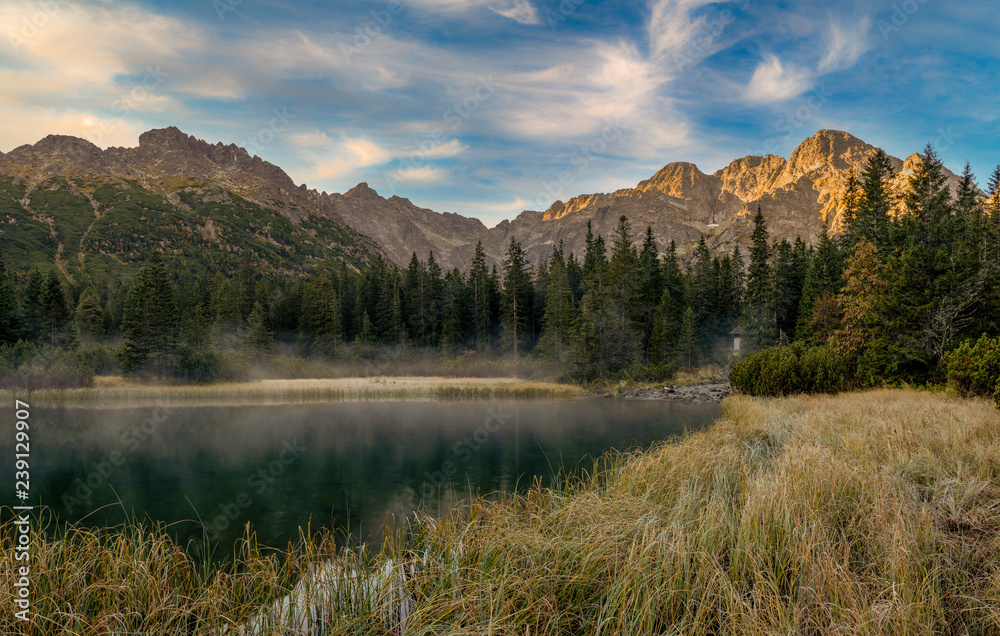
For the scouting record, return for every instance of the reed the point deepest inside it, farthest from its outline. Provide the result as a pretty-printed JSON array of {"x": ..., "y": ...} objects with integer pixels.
[
  {"x": 112, "y": 393},
  {"x": 863, "y": 513}
]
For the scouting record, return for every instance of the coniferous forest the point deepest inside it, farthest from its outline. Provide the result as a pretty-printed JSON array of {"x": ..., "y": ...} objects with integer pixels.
[{"x": 889, "y": 298}]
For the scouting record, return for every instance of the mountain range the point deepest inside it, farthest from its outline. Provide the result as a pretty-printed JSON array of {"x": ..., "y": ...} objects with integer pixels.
[{"x": 90, "y": 210}]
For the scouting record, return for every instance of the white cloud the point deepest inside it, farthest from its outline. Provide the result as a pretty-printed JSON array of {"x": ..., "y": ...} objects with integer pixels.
[
  {"x": 671, "y": 27},
  {"x": 846, "y": 45},
  {"x": 423, "y": 174},
  {"x": 774, "y": 81},
  {"x": 310, "y": 138},
  {"x": 520, "y": 11},
  {"x": 448, "y": 149}
]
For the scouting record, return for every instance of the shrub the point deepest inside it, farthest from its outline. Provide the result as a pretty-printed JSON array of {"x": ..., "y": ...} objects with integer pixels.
[
  {"x": 102, "y": 359},
  {"x": 197, "y": 366},
  {"x": 795, "y": 368},
  {"x": 974, "y": 367},
  {"x": 27, "y": 366}
]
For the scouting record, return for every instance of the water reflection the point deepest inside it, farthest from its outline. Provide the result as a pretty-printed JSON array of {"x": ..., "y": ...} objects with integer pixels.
[{"x": 347, "y": 465}]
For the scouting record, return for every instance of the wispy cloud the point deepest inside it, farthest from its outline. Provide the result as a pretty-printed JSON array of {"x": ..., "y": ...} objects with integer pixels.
[{"x": 774, "y": 81}]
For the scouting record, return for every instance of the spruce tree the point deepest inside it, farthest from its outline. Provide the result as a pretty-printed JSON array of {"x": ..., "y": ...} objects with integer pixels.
[
  {"x": 89, "y": 313},
  {"x": 57, "y": 314},
  {"x": 517, "y": 293},
  {"x": 149, "y": 321},
  {"x": 759, "y": 320},
  {"x": 260, "y": 339},
  {"x": 481, "y": 292},
  {"x": 8, "y": 308},
  {"x": 558, "y": 320},
  {"x": 33, "y": 307}
]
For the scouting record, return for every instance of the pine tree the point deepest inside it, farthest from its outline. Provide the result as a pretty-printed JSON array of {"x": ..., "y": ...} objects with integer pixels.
[
  {"x": 481, "y": 292},
  {"x": 89, "y": 313},
  {"x": 623, "y": 279},
  {"x": 558, "y": 320},
  {"x": 149, "y": 322},
  {"x": 33, "y": 307},
  {"x": 454, "y": 305},
  {"x": 57, "y": 314},
  {"x": 690, "y": 348},
  {"x": 260, "y": 338},
  {"x": 873, "y": 221},
  {"x": 517, "y": 293},
  {"x": 9, "y": 327},
  {"x": 824, "y": 280},
  {"x": 759, "y": 319},
  {"x": 650, "y": 286}
]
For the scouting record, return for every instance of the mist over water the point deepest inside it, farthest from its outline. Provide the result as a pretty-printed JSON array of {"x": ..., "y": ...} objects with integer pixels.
[{"x": 348, "y": 465}]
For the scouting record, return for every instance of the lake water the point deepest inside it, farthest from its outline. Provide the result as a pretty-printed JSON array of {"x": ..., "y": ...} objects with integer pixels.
[{"x": 348, "y": 465}]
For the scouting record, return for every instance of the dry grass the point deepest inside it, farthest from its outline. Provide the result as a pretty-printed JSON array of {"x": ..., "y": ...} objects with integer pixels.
[
  {"x": 110, "y": 392},
  {"x": 870, "y": 513}
]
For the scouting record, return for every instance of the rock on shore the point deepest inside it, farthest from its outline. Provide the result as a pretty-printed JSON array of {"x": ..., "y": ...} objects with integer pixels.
[{"x": 713, "y": 392}]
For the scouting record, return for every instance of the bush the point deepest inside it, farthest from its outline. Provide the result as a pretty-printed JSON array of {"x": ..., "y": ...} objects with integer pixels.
[
  {"x": 795, "y": 368},
  {"x": 27, "y": 366},
  {"x": 102, "y": 359},
  {"x": 974, "y": 367},
  {"x": 197, "y": 366}
]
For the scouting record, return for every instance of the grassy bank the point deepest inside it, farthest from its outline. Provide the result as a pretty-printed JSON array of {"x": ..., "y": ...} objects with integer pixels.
[
  {"x": 866, "y": 513},
  {"x": 111, "y": 392}
]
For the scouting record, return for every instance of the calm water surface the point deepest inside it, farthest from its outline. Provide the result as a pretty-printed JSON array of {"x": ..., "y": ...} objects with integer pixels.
[{"x": 348, "y": 465}]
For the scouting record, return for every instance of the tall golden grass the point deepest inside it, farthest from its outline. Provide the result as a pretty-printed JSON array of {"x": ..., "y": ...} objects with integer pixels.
[
  {"x": 109, "y": 393},
  {"x": 864, "y": 513}
]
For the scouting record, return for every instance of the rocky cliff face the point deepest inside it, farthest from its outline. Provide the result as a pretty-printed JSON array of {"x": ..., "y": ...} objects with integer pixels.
[{"x": 681, "y": 203}]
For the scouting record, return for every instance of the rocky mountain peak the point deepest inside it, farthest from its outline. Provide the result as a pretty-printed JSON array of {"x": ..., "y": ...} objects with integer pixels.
[
  {"x": 170, "y": 138},
  {"x": 826, "y": 151},
  {"x": 750, "y": 177},
  {"x": 362, "y": 191},
  {"x": 681, "y": 180}
]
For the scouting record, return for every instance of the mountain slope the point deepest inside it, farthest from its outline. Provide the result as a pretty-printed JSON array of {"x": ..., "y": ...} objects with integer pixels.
[
  {"x": 97, "y": 212},
  {"x": 798, "y": 197}
]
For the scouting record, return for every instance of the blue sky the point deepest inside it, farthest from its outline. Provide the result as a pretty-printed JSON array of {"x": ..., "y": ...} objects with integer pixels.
[{"x": 489, "y": 107}]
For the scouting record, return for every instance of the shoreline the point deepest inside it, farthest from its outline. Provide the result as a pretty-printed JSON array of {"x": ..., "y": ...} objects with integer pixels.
[{"x": 117, "y": 392}]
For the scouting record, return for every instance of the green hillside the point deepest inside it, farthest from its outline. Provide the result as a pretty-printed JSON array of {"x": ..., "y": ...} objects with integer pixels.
[{"x": 95, "y": 230}]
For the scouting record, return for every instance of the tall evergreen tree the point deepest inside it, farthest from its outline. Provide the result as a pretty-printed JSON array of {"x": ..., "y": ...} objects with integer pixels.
[
  {"x": 873, "y": 220},
  {"x": 57, "y": 314},
  {"x": 759, "y": 319},
  {"x": 33, "y": 307},
  {"x": 149, "y": 323},
  {"x": 89, "y": 313},
  {"x": 822, "y": 284},
  {"x": 481, "y": 291},
  {"x": 558, "y": 320},
  {"x": 8, "y": 308},
  {"x": 517, "y": 294}
]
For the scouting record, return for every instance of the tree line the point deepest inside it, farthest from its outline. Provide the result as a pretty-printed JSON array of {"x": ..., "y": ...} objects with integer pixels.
[{"x": 904, "y": 283}]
